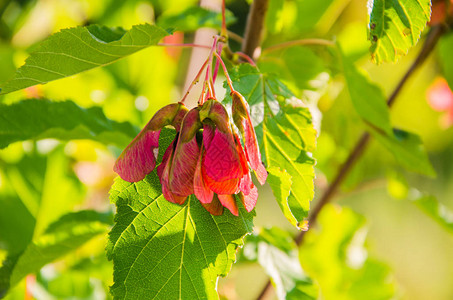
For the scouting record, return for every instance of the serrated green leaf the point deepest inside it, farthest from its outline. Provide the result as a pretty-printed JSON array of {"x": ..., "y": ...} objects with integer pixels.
[
  {"x": 446, "y": 59},
  {"x": 277, "y": 253},
  {"x": 39, "y": 119},
  {"x": 286, "y": 135},
  {"x": 55, "y": 243},
  {"x": 288, "y": 65},
  {"x": 367, "y": 98},
  {"x": 408, "y": 150},
  {"x": 162, "y": 250},
  {"x": 395, "y": 26},
  {"x": 194, "y": 18},
  {"x": 436, "y": 210},
  {"x": 78, "y": 49},
  {"x": 334, "y": 256},
  {"x": 280, "y": 182}
]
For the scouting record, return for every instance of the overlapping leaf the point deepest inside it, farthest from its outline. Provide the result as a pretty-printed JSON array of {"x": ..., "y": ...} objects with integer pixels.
[
  {"x": 194, "y": 18},
  {"x": 39, "y": 119},
  {"x": 276, "y": 251},
  {"x": 64, "y": 236},
  {"x": 78, "y": 49},
  {"x": 286, "y": 137},
  {"x": 162, "y": 250},
  {"x": 70, "y": 233},
  {"x": 408, "y": 150},
  {"x": 436, "y": 210},
  {"x": 367, "y": 98},
  {"x": 369, "y": 102},
  {"x": 395, "y": 26},
  {"x": 446, "y": 59},
  {"x": 334, "y": 256}
]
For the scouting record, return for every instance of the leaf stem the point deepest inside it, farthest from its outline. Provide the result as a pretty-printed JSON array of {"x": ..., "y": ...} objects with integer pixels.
[
  {"x": 184, "y": 45},
  {"x": 246, "y": 57},
  {"x": 298, "y": 43},
  {"x": 433, "y": 36},
  {"x": 225, "y": 71},
  {"x": 217, "y": 63},
  {"x": 195, "y": 80}
]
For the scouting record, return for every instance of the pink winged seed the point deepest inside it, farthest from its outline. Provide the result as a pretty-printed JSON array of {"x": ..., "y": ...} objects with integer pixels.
[
  {"x": 138, "y": 159},
  {"x": 163, "y": 171},
  {"x": 221, "y": 161},
  {"x": 229, "y": 201},
  {"x": 242, "y": 120},
  {"x": 183, "y": 167},
  {"x": 252, "y": 150},
  {"x": 200, "y": 188},
  {"x": 249, "y": 200}
]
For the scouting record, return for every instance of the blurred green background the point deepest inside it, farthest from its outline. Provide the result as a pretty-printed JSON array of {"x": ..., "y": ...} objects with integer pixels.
[{"x": 42, "y": 180}]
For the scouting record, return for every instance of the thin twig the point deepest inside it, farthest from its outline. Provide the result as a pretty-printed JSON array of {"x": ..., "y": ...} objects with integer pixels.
[
  {"x": 246, "y": 57},
  {"x": 303, "y": 42},
  {"x": 184, "y": 45},
  {"x": 235, "y": 36},
  {"x": 431, "y": 40},
  {"x": 225, "y": 71}
]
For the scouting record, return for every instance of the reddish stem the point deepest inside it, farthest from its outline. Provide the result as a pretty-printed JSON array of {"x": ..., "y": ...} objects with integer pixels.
[
  {"x": 195, "y": 80},
  {"x": 184, "y": 45},
  {"x": 208, "y": 78},
  {"x": 246, "y": 57},
  {"x": 223, "y": 31},
  {"x": 298, "y": 43},
  {"x": 217, "y": 63},
  {"x": 225, "y": 71}
]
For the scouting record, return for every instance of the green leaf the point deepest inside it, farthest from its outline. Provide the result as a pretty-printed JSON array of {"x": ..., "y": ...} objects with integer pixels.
[
  {"x": 162, "y": 250},
  {"x": 71, "y": 232},
  {"x": 286, "y": 136},
  {"x": 274, "y": 16},
  {"x": 194, "y": 18},
  {"x": 280, "y": 182},
  {"x": 408, "y": 150},
  {"x": 16, "y": 224},
  {"x": 446, "y": 59},
  {"x": 314, "y": 14},
  {"x": 436, "y": 210},
  {"x": 367, "y": 98},
  {"x": 277, "y": 253},
  {"x": 287, "y": 65},
  {"x": 395, "y": 26},
  {"x": 39, "y": 119},
  {"x": 78, "y": 49},
  {"x": 334, "y": 256},
  {"x": 66, "y": 222}
]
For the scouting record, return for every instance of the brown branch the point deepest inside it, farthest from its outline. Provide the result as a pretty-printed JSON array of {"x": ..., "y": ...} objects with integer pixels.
[
  {"x": 235, "y": 36},
  {"x": 431, "y": 40},
  {"x": 254, "y": 27}
]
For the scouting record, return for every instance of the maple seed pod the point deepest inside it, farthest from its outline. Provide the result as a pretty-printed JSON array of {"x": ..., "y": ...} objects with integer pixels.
[
  {"x": 241, "y": 118},
  {"x": 190, "y": 125},
  {"x": 139, "y": 158},
  {"x": 186, "y": 156},
  {"x": 171, "y": 114},
  {"x": 216, "y": 112}
]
